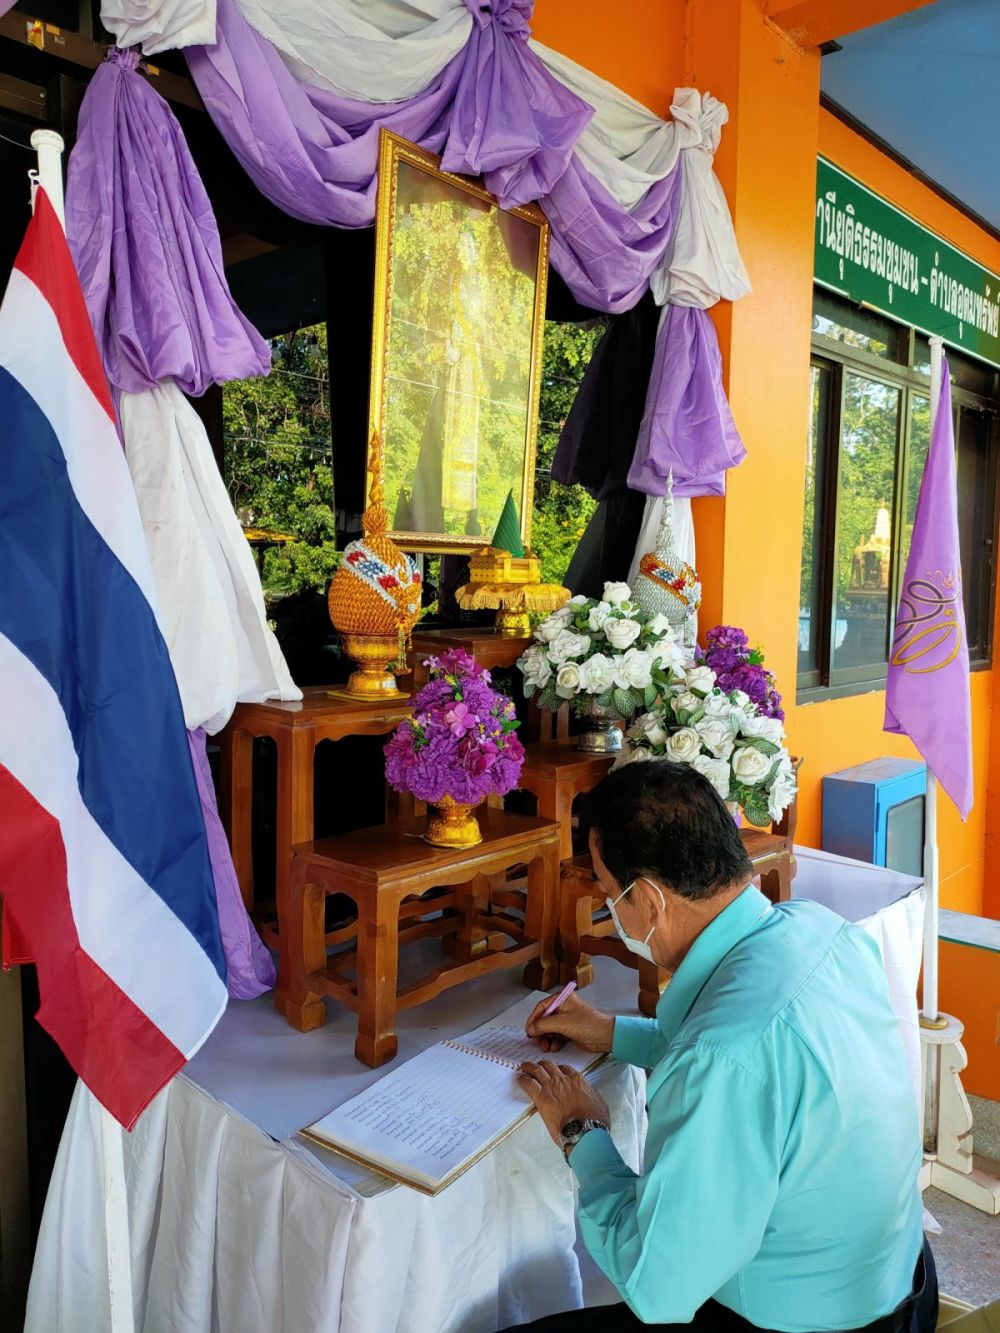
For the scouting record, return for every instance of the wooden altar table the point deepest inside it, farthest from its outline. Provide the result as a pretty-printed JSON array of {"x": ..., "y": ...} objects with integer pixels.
[
  {"x": 490, "y": 648},
  {"x": 556, "y": 772},
  {"x": 406, "y": 890},
  {"x": 296, "y": 727}
]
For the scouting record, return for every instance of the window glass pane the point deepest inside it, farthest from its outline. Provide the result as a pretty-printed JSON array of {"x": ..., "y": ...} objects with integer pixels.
[
  {"x": 854, "y": 327},
  {"x": 811, "y": 583},
  {"x": 920, "y": 438},
  {"x": 864, "y": 523},
  {"x": 975, "y": 521}
]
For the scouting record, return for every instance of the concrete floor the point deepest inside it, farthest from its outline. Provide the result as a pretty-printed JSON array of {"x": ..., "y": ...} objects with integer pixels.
[{"x": 967, "y": 1252}]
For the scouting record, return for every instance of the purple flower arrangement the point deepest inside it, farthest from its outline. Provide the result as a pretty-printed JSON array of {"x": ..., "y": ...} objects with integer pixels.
[
  {"x": 737, "y": 666},
  {"x": 459, "y": 741}
]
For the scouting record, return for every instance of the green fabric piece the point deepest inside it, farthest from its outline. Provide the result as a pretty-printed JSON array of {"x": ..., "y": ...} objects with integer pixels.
[{"x": 508, "y": 534}]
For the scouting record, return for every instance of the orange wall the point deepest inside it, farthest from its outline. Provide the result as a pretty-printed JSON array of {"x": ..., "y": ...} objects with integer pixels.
[
  {"x": 640, "y": 49},
  {"x": 970, "y": 988}
]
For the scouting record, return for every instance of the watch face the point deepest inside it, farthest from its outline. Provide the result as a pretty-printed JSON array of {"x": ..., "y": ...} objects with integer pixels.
[{"x": 572, "y": 1129}]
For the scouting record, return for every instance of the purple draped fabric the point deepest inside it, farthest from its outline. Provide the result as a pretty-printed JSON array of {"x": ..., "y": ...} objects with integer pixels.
[
  {"x": 146, "y": 244},
  {"x": 606, "y": 254},
  {"x": 251, "y": 968},
  {"x": 314, "y": 153},
  {"x": 687, "y": 424},
  {"x": 494, "y": 110}
]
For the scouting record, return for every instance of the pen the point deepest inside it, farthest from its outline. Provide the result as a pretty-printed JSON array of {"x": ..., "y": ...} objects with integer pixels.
[{"x": 560, "y": 999}]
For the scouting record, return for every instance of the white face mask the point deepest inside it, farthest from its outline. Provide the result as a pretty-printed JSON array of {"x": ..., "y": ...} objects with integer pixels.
[{"x": 638, "y": 947}]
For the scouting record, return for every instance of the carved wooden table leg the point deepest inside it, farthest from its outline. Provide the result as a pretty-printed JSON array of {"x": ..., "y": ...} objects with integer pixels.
[
  {"x": 540, "y": 917},
  {"x": 776, "y": 880},
  {"x": 378, "y": 959},
  {"x": 471, "y": 940},
  {"x": 649, "y": 988},
  {"x": 302, "y": 1005},
  {"x": 294, "y": 824},
  {"x": 575, "y": 916},
  {"x": 555, "y": 802},
  {"x": 236, "y": 805}
]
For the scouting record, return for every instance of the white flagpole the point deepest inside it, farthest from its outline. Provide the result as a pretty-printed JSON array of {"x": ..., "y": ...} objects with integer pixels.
[
  {"x": 929, "y": 994},
  {"x": 49, "y": 147}
]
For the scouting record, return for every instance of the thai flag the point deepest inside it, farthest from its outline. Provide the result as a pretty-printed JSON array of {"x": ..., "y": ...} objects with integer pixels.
[{"x": 104, "y": 866}]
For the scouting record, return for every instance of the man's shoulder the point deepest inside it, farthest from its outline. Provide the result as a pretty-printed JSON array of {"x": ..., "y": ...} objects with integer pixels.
[{"x": 779, "y": 972}]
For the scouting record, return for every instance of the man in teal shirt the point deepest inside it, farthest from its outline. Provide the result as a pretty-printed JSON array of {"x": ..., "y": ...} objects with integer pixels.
[{"x": 779, "y": 1188}]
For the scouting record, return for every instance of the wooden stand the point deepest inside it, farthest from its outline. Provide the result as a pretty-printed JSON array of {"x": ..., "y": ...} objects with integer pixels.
[
  {"x": 557, "y": 772},
  {"x": 772, "y": 853},
  {"x": 586, "y": 928},
  {"x": 296, "y": 729},
  {"x": 406, "y": 890},
  {"x": 490, "y": 648}
]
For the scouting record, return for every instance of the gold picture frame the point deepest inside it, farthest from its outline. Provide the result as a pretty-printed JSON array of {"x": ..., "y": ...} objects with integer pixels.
[{"x": 458, "y": 321}]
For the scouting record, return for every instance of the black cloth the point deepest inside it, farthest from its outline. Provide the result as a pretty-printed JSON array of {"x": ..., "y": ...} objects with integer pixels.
[
  {"x": 605, "y": 550},
  {"x": 598, "y": 439},
  {"x": 917, "y": 1314}
]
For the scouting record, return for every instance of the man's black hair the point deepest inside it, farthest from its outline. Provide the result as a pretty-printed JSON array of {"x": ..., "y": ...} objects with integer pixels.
[{"x": 666, "y": 821}]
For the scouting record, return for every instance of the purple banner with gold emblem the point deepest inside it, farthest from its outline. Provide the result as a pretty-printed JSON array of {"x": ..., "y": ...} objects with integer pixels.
[{"x": 927, "y": 691}]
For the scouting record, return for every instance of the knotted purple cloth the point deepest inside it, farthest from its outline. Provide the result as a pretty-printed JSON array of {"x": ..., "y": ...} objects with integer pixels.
[
  {"x": 146, "y": 244},
  {"x": 687, "y": 424},
  {"x": 251, "y": 968}
]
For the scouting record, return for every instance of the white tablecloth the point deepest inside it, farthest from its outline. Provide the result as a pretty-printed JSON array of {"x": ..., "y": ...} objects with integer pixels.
[
  {"x": 240, "y": 1227},
  {"x": 890, "y": 907},
  {"x": 237, "y": 1226}
]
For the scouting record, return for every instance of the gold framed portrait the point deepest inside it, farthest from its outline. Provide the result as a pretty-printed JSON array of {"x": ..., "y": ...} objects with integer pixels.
[{"x": 456, "y": 351}]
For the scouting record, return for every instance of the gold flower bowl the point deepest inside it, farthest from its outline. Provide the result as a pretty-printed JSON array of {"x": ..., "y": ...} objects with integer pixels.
[{"x": 450, "y": 824}]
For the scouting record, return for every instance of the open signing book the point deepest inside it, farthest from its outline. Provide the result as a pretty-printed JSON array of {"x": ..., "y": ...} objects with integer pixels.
[{"x": 433, "y": 1117}]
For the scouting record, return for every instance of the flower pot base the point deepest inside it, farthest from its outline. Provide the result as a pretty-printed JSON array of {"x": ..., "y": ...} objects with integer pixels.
[
  {"x": 603, "y": 735},
  {"x": 452, "y": 825},
  {"x": 606, "y": 741},
  {"x": 516, "y": 624}
]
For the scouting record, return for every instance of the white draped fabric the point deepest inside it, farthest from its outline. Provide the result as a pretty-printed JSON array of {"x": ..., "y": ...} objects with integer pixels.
[
  {"x": 211, "y": 604},
  {"x": 232, "y": 1232},
  {"x": 160, "y": 26},
  {"x": 374, "y": 50},
  {"x": 890, "y": 907}
]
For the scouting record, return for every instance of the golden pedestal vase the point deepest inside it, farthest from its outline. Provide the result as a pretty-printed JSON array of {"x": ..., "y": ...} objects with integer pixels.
[
  {"x": 450, "y": 824},
  {"x": 375, "y": 599}
]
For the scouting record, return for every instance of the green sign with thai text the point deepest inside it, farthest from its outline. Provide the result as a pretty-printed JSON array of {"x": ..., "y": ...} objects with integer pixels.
[{"x": 871, "y": 252}]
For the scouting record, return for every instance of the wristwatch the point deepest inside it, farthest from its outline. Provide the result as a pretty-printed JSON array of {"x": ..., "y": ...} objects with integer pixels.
[{"x": 573, "y": 1131}]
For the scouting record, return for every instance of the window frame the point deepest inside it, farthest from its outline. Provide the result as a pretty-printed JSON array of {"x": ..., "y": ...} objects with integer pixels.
[{"x": 825, "y": 680}]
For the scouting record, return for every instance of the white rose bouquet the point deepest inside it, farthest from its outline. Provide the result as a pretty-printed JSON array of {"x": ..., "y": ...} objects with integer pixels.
[
  {"x": 606, "y": 652},
  {"x": 724, "y": 736}
]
